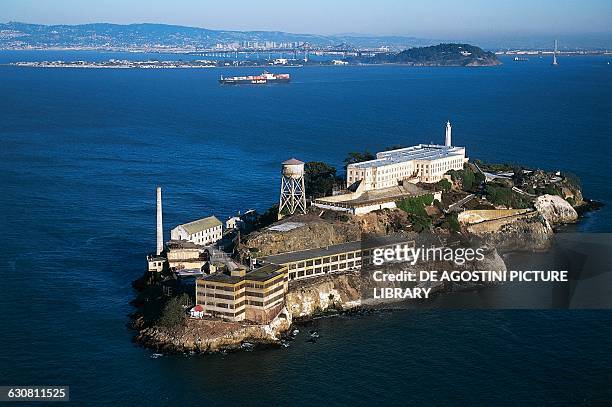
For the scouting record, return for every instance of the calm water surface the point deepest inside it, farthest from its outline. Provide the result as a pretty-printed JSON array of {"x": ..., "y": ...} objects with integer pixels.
[{"x": 82, "y": 152}]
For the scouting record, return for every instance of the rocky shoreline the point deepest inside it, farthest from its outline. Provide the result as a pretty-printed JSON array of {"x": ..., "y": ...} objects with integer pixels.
[
  {"x": 345, "y": 292},
  {"x": 339, "y": 293}
]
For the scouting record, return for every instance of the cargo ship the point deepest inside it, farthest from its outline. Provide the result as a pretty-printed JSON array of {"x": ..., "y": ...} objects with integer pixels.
[{"x": 262, "y": 79}]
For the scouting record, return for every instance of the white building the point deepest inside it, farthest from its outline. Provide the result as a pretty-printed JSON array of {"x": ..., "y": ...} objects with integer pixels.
[
  {"x": 235, "y": 222},
  {"x": 201, "y": 232},
  {"x": 420, "y": 163}
]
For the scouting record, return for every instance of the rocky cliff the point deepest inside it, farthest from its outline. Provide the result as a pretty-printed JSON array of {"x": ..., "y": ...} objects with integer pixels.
[
  {"x": 199, "y": 335},
  {"x": 555, "y": 209},
  {"x": 311, "y": 230},
  {"x": 529, "y": 231},
  {"x": 353, "y": 289}
]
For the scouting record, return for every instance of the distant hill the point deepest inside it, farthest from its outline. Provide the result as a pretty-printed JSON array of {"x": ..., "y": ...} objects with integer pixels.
[
  {"x": 15, "y": 35},
  {"x": 437, "y": 55}
]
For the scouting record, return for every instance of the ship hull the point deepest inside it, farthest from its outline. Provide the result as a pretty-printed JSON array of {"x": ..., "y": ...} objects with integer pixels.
[{"x": 245, "y": 81}]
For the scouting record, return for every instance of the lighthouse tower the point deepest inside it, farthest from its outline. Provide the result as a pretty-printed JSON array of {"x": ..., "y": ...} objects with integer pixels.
[{"x": 447, "y": 139}]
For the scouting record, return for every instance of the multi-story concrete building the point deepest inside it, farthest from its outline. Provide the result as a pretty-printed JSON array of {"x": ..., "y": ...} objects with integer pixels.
[
  {"x": 420, "y": 163},
  {"x": 256, "y": 296},
  {"x": 330, "y": 259},
  {"x": 202, "y": 232},
  {"x": 259, "y": 295},
  {"x": 183, "y": 254}
]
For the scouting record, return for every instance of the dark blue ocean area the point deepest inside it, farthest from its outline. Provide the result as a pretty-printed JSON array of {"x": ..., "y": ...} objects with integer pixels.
[{"x": 82, "y": 151}]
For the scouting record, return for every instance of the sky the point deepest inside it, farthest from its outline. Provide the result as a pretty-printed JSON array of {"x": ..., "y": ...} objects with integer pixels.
[{"x": 419, "y": 18}]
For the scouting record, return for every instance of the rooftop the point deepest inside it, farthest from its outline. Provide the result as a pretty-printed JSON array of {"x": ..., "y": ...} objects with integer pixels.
[
  {"x": 181, "y": 244},
  {"x": 286, "y": 226},
  {"x": 201, "y": 224},
  {"x": 369, "y": 243},
  {"x": 263, "y": 273},
  {"x": 293, "y": 161},
  {"x": 423, "y": 152}
]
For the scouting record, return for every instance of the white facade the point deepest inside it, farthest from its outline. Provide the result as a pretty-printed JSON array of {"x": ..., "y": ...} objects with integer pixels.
[
  {"x": 421, "y": 163},
  {"x": 201, "y": 232}
]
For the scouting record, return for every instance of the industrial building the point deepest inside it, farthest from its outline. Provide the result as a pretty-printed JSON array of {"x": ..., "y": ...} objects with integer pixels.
[{"x": 202, "y": 232}]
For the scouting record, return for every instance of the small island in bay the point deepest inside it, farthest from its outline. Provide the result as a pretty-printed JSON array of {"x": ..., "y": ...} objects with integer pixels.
[
  {"x": 251, "y": 280},
  {"x": 435, "y": 55}
]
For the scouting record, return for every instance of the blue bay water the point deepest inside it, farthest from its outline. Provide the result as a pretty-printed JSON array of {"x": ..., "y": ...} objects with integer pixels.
[{"x": 83, "y": 149}]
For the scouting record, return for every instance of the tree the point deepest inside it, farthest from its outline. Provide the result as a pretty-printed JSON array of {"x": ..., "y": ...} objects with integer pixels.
[
  {"x": 444, "y": 184},
  {"x": 468, "y": 179},
  {"x": 357, "y": 157},
  {"x": 173, "y": 312},
  {"x": 415, "y": 206},
  {"x": 453, "y": 222},
  {"x": 319, "y": 179},
  {"x": 518, "y": 176}
]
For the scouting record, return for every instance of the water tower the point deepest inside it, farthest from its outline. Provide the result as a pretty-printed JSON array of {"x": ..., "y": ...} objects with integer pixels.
[{"x": 292, "y": 193}]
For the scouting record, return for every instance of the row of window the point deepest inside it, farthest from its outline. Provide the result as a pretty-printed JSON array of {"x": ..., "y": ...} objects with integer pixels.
[{"x": 313, "y": 271}]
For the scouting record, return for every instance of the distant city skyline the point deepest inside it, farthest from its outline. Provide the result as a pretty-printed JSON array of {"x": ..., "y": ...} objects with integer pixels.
[{"x": 444, "y": 19}]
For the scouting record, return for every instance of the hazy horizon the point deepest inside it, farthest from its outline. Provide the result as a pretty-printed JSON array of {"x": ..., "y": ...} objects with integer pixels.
[{"x": 443, "y": 19}]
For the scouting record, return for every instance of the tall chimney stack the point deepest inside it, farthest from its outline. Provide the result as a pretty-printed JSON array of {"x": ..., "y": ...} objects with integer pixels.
[
  {"x": 160, "y": 225},
  {"x": 447, "y": 139}
]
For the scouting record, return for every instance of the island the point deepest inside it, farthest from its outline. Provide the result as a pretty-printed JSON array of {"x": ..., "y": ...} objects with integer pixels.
[
  {"x": 218, "y": 287},
  {"x": 436, "y": 55}
]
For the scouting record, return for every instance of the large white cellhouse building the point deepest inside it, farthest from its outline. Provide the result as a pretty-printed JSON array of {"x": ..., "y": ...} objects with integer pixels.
[{"x": 421, "y": 163}]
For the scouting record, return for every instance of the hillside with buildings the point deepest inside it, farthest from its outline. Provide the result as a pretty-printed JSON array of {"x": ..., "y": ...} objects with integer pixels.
[
  {"x": 16, "y": 35},
  {"x": 305, "y": 256}
]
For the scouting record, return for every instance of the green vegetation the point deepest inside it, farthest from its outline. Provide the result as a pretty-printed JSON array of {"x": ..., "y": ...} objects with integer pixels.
[
  {"x": 444, "y": 185},
  {"x": 501, "y": 195},
  {"x": 451, "y": 222},
  {"x": 319, "y": 179},
  {"x": 415, "y": 207},
  {"x": 469, "y": 179},
  {"x": 269, "y": 217},
  {"x": 552, "y": 189},
  {"x": 173, "y": 312},
  {"x": 357, "y": 157},
  {"x": 441, "y": 54}
]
